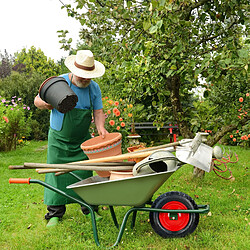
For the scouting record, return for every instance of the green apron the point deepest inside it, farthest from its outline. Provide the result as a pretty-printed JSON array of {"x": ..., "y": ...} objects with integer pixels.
[{"x": 64, "y": 147}]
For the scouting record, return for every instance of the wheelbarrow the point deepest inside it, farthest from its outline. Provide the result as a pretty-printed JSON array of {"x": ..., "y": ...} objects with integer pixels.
[{"x": 172, "y": 214}]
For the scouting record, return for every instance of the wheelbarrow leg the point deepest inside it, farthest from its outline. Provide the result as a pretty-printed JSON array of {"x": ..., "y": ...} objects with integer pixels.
[
  {"x": 114, "y": 216},
  {"x": 115, "y": 219},
  {"x": 133, "y": 219}
]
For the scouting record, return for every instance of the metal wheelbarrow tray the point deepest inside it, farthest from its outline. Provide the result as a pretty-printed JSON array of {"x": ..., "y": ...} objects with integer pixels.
[
  {"x": 133, "y": 191},
  {"x": 172, "y": 214}
]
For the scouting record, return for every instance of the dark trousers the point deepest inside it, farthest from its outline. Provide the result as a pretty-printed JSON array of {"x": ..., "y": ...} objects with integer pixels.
[{"x": 59, "y": 211}]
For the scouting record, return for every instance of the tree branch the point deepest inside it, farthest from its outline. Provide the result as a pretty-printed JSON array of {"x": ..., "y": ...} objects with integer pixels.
[
  {"x": 195, "y": 6},
  {"x": 99, "y": 2},
  {"x": 215, "y": 36},
  {"x": 224, "y": 130}
]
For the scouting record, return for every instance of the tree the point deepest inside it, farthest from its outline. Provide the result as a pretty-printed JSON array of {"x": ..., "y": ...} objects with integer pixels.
[
  {"x": 34, "y": 60},
  {"x": 163, "y": 48},
  {"x": 5, "y": 64}
]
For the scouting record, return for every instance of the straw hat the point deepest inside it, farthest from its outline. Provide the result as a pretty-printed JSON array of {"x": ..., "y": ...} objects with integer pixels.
[{"x": 83, "y": 65}]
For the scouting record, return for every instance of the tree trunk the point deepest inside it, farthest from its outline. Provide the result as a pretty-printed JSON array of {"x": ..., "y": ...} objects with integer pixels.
[
  {"x": 178, "y": 113},
  {"x": 213, "y": 140},
  {"x": 174, "y": 86},
  {"x": 198, "y": 173}
]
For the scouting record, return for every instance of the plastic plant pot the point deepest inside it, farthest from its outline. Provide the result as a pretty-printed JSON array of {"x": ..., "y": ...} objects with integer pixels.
[{"x": 56, "y": 91}]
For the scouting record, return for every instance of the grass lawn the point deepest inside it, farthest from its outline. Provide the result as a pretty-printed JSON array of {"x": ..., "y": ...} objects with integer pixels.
[{"x": 22, "y": 223}]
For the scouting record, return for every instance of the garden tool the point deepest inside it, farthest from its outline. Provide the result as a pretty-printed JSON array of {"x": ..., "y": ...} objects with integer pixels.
[
  {"x": 217, "y": 152},
  {"x": 163, "y": 160},
  {"x": 191, "y": 152},
  {"x": 199, "y": 156},
  {"x": 159, "y": 161}
]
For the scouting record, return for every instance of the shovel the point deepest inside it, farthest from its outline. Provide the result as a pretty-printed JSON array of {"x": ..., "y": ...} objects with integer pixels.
[{"x": 196, "y": 153}]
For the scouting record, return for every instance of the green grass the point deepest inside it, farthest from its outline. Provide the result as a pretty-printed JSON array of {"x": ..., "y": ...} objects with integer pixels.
[{"x": 22, "y": 224}]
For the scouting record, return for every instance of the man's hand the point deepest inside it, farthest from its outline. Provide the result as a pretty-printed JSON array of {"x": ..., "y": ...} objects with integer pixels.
[
  {"x": 39, "y": 103},
  {"x": 102, "y": 132},
  {"x": 99, "y": 119}
]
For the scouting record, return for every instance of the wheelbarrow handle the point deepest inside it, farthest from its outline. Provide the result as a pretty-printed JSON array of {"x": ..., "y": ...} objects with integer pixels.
[{"x": 19, "y": 180}]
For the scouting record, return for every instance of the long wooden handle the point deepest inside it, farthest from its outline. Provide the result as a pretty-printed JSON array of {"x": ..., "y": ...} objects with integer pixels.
[
  {"x": 86, "y": 162},
  {"x": 101, "y": 164},
  {"x": 138, "y": 154},
  {"x": 56, "y": 170},
  {"x": 119, "y": 157},
  {"x": 62, "y": 172},
  {"x": 47, "y": 170},
  {"x": 78, "y": 167},
  {"x": 19, "y": 167}
]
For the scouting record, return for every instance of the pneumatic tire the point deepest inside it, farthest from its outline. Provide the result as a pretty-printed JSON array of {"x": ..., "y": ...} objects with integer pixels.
[{"x": 174, "y": 226}]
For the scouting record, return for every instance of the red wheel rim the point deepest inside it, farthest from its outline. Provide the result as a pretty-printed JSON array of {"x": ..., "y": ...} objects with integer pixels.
[{"x": 173, "y": 224}]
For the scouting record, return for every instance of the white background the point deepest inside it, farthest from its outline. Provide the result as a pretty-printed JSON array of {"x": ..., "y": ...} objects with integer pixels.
[{"x": 26, "y": 23}]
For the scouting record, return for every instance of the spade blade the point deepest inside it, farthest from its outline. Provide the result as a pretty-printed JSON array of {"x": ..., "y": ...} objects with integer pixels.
[{"x": 201, "y": 158}]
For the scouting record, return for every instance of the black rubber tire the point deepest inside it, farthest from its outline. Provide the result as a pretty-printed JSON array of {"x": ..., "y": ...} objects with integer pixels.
[{"x": 185, "y": 200}]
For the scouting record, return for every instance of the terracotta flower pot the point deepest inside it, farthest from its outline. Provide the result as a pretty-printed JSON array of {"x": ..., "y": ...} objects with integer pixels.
[
  {"x": 115, "y": 175},
  {"x": 98, "y": 147},
  {"x": 136, "y": 148}
]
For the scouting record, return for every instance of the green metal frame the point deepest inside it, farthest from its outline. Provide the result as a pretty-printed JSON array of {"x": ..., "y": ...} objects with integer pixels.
[{"x": 134, "y": 210}]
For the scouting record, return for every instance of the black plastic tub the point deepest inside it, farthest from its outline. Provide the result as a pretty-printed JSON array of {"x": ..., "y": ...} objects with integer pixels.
[{"x": 56, "y": 91}]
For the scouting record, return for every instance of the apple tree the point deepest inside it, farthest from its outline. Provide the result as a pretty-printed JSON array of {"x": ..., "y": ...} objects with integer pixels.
[{"x": 158, "y": 52}]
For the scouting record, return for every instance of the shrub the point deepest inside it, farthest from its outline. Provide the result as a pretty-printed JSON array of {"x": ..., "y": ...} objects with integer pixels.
[
  {"x": 27, "y": 87},
  {"x": 14, "y": 123},
  {"x": 241, "y": 135},
  {"x": 120, "y": 116}
]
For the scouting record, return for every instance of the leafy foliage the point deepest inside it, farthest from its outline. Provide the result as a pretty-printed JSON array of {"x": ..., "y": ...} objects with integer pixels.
[
  {"x": 122, "y": 113},
  {"x": 34, "y": 60},
  {"x": 66, "y": 44},
  {"x": 120, "y": 116},
  {"x": 240, "y": 136}
]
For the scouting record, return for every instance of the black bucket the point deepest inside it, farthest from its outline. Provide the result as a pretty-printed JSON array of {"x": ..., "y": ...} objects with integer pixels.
[{"x": 56, "y": 91}]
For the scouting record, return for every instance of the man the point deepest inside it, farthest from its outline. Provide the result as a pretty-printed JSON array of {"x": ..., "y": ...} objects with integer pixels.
[{"x": 67, "y": 131}]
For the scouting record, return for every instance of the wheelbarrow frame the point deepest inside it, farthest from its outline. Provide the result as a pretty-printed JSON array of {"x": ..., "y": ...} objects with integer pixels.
[{"x": 201, "y": 209}]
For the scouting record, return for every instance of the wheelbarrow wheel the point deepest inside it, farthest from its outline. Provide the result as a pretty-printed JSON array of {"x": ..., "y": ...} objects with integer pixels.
[{"x": 170, "y": 225}]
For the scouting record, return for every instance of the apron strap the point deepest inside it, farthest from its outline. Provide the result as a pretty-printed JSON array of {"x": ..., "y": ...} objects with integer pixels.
[
  {"x": 91, "y": 105},
  {"x": 70, "y": 84}
]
